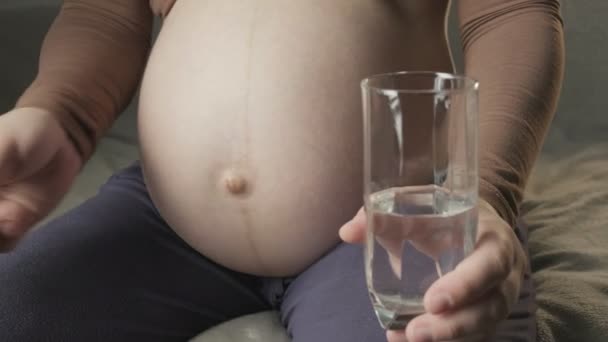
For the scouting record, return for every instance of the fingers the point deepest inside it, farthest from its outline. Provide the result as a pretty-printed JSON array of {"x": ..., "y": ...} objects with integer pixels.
[
  {"x": 489, "y": 265},
  {"x": 15, "y": 220},
  {"x": 473, "y": 321},
  {"x": 399, "y": 336},
  {"x": 394, "y": 250},
  {"x": 29, "y": 139},
  {"x": 9, "y": 160},
  {"x": 396, "y": 336},
  {"x": 353, "y": 231}
]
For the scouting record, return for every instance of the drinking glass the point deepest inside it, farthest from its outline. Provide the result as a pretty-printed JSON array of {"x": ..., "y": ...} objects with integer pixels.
[{"x": 420, "y": 185}]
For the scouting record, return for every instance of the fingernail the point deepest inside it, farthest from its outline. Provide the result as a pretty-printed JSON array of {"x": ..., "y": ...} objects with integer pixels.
[
  {"x": 422, "y": 334},
  {"x": 440, "y": 303}
]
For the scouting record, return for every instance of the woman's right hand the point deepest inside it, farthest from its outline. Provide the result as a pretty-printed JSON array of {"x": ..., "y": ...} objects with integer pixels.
[{"x": 38, "y": 163}]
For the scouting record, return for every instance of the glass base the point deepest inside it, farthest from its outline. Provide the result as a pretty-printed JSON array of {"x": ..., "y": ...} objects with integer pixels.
[{"x": 391, "y": 320}]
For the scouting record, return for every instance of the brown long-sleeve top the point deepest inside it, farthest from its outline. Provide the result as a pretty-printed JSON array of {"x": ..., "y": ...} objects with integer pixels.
[{"x": 514, "y": 48}]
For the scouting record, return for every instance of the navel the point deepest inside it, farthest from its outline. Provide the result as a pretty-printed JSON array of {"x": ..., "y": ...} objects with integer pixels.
[{"x": 234, "y": 182}]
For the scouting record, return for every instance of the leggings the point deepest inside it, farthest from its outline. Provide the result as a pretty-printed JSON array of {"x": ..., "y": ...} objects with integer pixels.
[{"x": 113, "y": 270}]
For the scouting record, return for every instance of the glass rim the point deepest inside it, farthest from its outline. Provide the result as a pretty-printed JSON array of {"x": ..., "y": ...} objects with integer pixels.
[{"x": 469, "y": 83}]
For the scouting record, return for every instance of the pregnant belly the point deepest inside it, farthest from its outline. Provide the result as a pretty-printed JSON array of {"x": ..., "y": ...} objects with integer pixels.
[{"x": 250, "y": 120}]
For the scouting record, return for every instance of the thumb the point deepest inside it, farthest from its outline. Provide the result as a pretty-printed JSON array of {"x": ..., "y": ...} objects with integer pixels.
[{"x": 354, "y": 230}]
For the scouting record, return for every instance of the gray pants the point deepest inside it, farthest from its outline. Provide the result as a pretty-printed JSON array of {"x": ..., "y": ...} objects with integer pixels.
[{"x": 112, "y": 270}]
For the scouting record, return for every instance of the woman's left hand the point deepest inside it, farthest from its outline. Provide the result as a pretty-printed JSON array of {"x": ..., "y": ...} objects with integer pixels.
[{"x": 468, "y": 303}]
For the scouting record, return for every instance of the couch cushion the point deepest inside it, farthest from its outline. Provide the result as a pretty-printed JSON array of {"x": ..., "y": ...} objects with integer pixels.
[{"x": 260, "y": 327}]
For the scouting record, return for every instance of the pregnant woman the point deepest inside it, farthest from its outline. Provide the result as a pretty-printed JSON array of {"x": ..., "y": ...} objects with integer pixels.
[{"x": 250, "y": 131}]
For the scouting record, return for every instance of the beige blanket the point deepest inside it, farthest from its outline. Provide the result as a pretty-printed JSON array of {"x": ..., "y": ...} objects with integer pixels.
[{"x": 567, "y": 211}]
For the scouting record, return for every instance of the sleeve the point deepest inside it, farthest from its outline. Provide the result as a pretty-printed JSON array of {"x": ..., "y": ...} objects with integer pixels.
[
  {"x": 515, "y": 49},
  {"x": 90, "y": 65}
]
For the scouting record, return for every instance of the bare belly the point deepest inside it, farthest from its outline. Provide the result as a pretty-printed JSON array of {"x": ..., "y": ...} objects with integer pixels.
[{"x": 250, "y": 119}]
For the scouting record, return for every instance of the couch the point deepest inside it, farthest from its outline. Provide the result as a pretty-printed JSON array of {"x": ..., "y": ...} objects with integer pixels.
[{"x": 566, "y": 203}]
